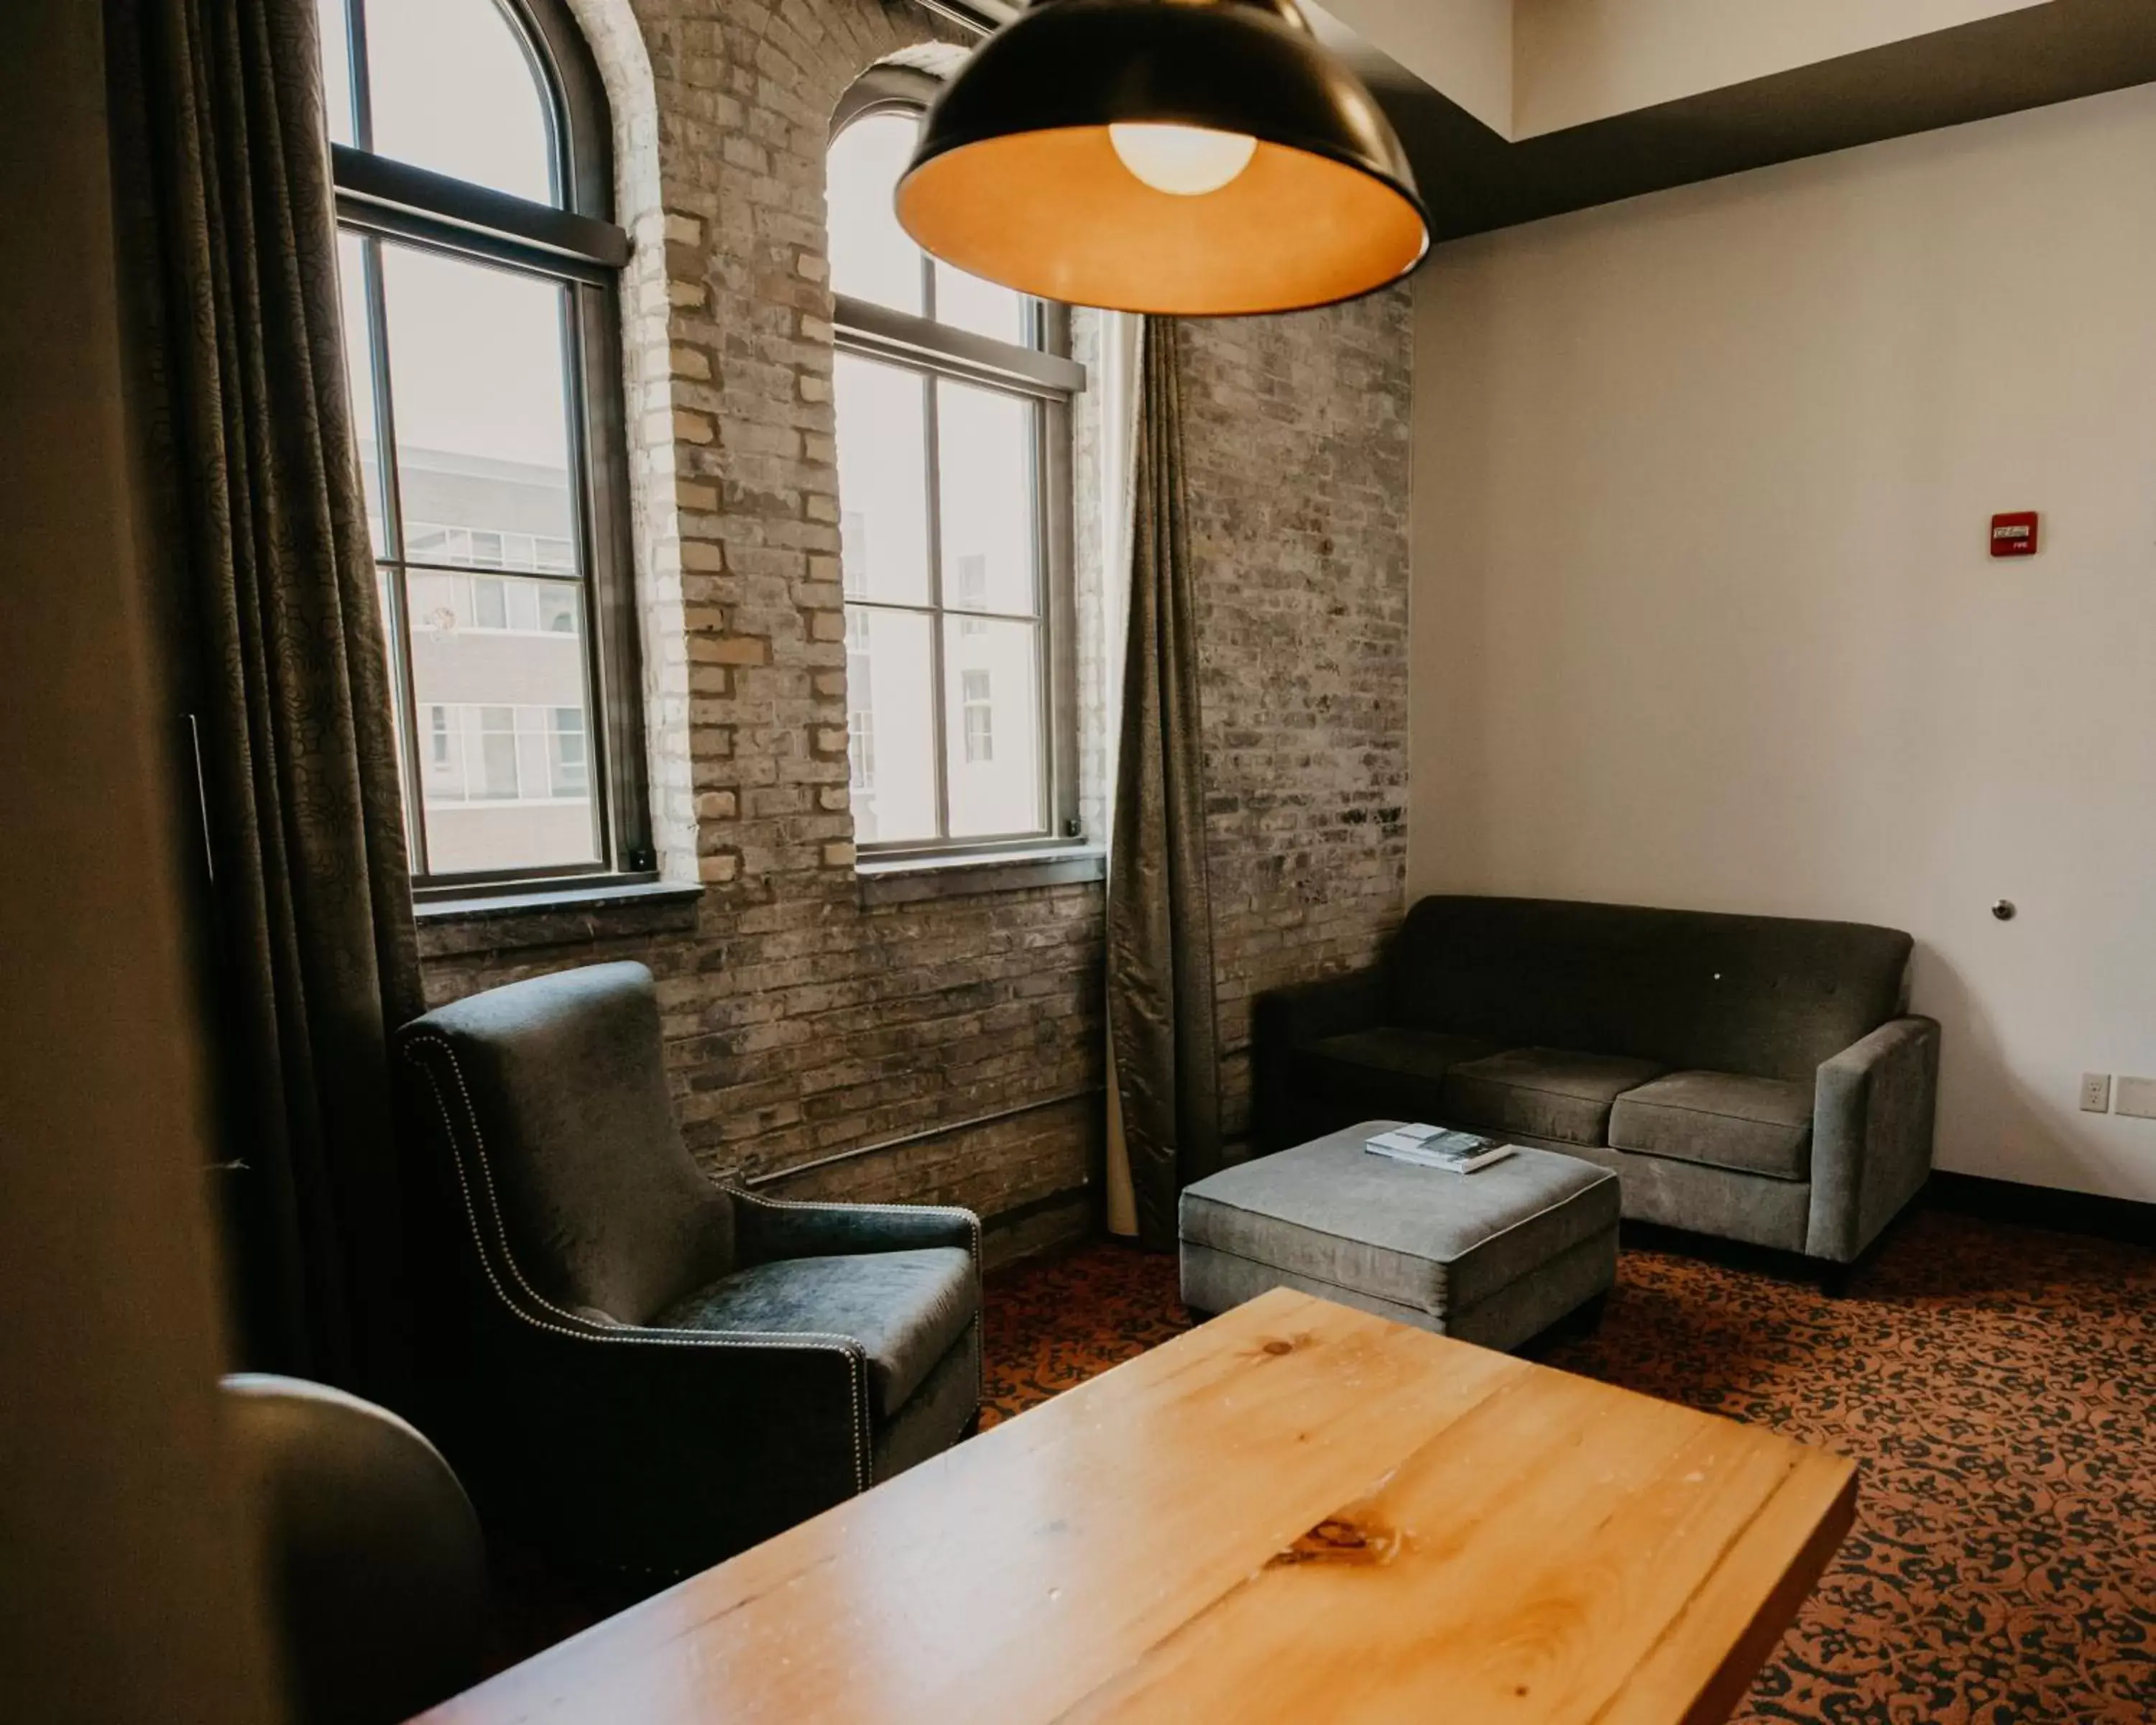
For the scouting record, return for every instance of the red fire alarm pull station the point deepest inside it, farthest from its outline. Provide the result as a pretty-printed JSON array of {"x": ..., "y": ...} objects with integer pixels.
[{"x": 2013, "y": 536}]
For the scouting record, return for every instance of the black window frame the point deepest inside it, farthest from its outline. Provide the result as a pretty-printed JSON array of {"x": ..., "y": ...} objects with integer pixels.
[
  {"x": 1044, "y": 373},
  {"x": 576, "y": 243}
]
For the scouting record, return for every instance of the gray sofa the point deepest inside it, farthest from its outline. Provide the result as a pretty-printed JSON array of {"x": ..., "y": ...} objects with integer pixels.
[{"x": 1757, "y": 1078}]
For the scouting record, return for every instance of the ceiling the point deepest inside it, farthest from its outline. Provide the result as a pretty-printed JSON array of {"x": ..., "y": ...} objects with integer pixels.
[{"x": 1515, "y": 109}]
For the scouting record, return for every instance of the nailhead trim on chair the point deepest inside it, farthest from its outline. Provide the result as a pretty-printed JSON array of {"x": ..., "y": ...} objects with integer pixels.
[
  {"x": 803, "y": 1342},
  {"x": 973, "y": 1224}
]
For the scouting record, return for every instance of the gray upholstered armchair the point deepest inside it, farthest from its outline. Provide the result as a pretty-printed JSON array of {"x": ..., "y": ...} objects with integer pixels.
[{"x": 640, "y": 1366}]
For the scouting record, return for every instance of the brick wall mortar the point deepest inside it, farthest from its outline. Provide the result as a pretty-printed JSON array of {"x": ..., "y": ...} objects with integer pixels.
[{"x": 799, "y": 1021}]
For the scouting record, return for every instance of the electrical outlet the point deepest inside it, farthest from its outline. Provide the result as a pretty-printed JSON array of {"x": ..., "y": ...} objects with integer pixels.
[
  {"x": 2137, "y": 1097},
  {"x": 2096, "y": 1092}
]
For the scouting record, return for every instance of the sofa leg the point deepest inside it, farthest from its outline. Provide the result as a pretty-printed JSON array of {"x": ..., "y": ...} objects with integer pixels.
[{"x": 1834, "y": 1279}]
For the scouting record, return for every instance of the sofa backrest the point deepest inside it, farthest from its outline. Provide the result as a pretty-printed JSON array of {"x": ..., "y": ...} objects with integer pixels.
[{"x": 1771, "y": 997}]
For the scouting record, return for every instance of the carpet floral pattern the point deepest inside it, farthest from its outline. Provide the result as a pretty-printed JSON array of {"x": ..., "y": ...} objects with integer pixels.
[{"x": 1997, "y": 1386}]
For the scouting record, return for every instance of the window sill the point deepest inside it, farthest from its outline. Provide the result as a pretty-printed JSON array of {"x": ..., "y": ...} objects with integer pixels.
[
  {"x": 905, "y": 880},
  {"x": 559, "y": 915}
]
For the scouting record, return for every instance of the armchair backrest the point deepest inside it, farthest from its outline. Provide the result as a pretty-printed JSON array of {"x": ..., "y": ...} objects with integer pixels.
[
  {"x": 1769, "y": 996},
  {"x": 551, "y": 1095}
]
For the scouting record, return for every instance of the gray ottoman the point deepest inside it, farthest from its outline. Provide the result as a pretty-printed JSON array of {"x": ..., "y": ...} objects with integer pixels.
[{"x": 1494, "y": 1256}]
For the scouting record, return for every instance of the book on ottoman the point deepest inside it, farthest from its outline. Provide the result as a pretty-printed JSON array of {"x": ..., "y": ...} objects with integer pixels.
[{"x": 1434, "y": 1146}]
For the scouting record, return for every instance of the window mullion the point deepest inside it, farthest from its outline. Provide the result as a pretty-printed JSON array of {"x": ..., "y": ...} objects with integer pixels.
[
  {"x": 396, "y": 626},
  {"x": 1044, "y": 740},
  {"x": 362, "y": 91},
  {"x": 932, "y": 462},
  {"x": 582, "y": 530}
]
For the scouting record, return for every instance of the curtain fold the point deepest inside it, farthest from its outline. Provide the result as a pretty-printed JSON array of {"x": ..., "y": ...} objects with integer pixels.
[
  {"x": 1163, "y": 1038},
  {"x": 258, "y": 535}
]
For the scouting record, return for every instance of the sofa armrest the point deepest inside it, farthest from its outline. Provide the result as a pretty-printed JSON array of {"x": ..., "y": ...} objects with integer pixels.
[
  {"x": 1286, "y": 1019},
  {"x": 1871, "y": 1135},
  {"x": 1309, "y": 1012},
  {"x": 767, "y": 1229}
]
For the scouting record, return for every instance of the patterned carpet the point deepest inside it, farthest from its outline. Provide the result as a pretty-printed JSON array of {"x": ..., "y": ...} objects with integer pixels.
[{"x": 1997, "y": 1385}]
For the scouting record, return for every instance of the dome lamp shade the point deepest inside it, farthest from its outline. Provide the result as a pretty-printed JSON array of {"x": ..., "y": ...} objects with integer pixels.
[{"x": 1197, "y": 158}]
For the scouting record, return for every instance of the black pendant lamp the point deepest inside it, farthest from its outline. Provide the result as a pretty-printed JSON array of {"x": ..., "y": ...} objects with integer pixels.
[{"x": 1200, "y": 158}]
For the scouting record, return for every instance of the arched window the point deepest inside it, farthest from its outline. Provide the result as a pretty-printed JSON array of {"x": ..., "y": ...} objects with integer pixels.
[
  {"x": 477, "y": 261},
  {"x": 953, "y": 398}
]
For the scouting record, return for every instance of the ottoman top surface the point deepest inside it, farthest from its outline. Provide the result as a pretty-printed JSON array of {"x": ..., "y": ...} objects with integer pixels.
[{"x": 1332, "y": 1185}]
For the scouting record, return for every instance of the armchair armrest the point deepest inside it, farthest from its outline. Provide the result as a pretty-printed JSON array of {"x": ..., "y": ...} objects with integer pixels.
[
  {"x": 662, "y": 1451},
  {"x": 765, "y": 1228},
  {"x": 1871, "y": 1135},
  {"x": 1286, "y": 1019}
]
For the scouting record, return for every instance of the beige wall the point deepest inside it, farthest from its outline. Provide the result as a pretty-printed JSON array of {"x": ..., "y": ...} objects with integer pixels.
[
  {"x": 1578, "y": 60},
  {"x": 1703, "y": 614},
  {"x": 124, "y": 1594},
  {"x": 1526, "y": 66},
  {"x": 1463, "y": 48}
]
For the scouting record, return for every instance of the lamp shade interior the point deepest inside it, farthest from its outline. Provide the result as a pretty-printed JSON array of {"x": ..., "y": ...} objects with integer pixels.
[{"x": 1057, "y": 213}]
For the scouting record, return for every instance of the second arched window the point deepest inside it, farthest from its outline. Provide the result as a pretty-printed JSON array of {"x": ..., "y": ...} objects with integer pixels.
[{"x": 953, "y": 403}]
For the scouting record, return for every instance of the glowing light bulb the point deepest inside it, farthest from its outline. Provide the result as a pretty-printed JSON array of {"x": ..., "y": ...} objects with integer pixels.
[{"x": 1188, "y": 160}]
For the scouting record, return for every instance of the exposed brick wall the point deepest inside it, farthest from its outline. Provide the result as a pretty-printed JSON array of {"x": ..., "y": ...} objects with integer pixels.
[
  {"x": 1295, "y": 441},
  {"x": 800, "y": 1021}
]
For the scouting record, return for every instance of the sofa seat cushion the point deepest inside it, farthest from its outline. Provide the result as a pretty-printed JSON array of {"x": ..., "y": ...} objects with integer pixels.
[
  {"x": 906, "y": 1309},
  {"x": 1553, "y": 1093},
  {"x": 1758, "y": 1126},
  {"x": 1331, "y": 1213}
]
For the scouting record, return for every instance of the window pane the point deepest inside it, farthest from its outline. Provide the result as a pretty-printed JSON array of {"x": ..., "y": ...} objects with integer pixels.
[
  {"x": 557, "y": 610},
  {"x": 871, "y": 258},
  {"x": 451, "y": 88},
  {"x": 335, "y": 32},
  {"x": 992, "y": 728},
  {"x": 497, "y": 753},
  {"x": 568, "y": 760},
  {"x": 358, "y": 361},
  {"x": 890, "y": 720},
  {"x": 504, "y": 723},
  {"x": 883, "y": 481},
  {"x": 982, "y": 307},
  {"x": 985, "y": 457},
  {"x": 476, "y": 375}
]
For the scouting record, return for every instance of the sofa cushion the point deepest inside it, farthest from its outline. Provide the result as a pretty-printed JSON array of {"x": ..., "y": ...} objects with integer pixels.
[
  {"x": 906, "y": 1309},
  {"x": 1554, "y": 1093},
  {"x": 1759, "y": 1126},
  {"x": 1390, "y": 1071},
  {"x": 1332, "y": 1212}
]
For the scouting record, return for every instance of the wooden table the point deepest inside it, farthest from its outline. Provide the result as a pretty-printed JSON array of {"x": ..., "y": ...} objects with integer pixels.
[{"x": 1297, "y": 1512}]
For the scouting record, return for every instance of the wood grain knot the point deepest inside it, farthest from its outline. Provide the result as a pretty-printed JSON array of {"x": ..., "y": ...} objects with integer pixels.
[
  {"x": 1339, "y": 1540},
  {"x": 1275, "y": 1345}
]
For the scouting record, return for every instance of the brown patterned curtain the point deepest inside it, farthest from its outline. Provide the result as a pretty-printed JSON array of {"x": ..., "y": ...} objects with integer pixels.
[
  {"x": 221, "y": 168},
  {"x": 1161, "y": 1021}
]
